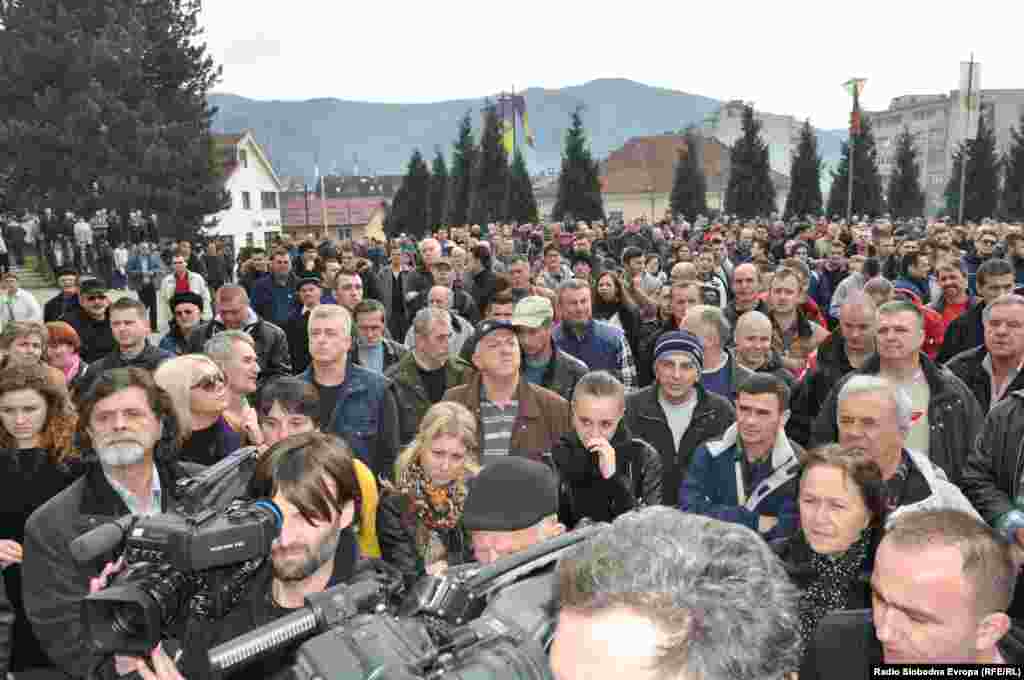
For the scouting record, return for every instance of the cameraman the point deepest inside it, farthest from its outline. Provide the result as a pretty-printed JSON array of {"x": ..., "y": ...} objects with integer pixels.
[
  {"x": 128, "y": 434},
  {"x": 312, "y": 480}
]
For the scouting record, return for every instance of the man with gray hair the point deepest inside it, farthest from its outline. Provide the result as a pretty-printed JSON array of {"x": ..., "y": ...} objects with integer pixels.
[
  {"x": 993, "y": 370},
  {"x": 235, "y": 353},
  {"x": 875, "y": 415},
  {"x": 422, "y": 375},
  {"x": 461, "y": 329},
  {"x": 721, "y": 374},
  {"x": 663, "y": 594},
  {"x": 944, "y": 415}
]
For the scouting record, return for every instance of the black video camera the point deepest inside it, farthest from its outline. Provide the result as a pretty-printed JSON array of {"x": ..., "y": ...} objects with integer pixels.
[
  {"x": 480, "y": 622},
  {"x": 177, "y": 566}
]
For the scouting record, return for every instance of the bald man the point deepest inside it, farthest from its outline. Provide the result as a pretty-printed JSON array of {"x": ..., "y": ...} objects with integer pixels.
[
  {"x": 753, "y": 337},
  {"x": 746, "y": 290},
  {"x": 847, "y": 349}
]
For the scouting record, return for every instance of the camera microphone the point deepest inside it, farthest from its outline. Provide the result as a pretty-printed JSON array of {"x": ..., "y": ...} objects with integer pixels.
[{"x": 99, "y": 541}]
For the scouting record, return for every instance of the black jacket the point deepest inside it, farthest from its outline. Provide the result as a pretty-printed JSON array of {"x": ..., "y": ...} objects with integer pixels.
[
  {"x": 845, "y": 647},
  {"x": 7, "y": 620},
  {"x": 482, "y": 286},
  {"x": 645, "y": 419},
  {"x": 796, "y": 555},
  {"x": 256, "y": 609},
  {"x": 393, "y": 353},
  {"x": 297, "y": 333},
  {"x": 992, "y": 474},
  {"x": 396, "y": 533},
  {"x": 584, "y": 493},
  {"x": 563, "y": 372},
  {"x": 808, "y": 396},
  {"x": 271, "y": 345},
  {"x": 96, "y": 336},
  {"x": 150, "y": 357},
  {"x": 963, "y": 333},
  {"x": 29, "y": 479},
  {"x": 968, "y": 367},
  {"x": 954, "y": 417},
  {"x": 58, "y": 307},
  {"x": 54, "y": 584}
]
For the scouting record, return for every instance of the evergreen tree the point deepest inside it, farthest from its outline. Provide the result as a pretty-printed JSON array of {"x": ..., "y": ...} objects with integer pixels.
[
  {"x": 105, "y": 107},
  {"x": 438, "y": 190},
  {"x": 579, "y": 182},
  {"x": 867, "y": 183},
  {"x": 410, "y": 209},
  {"x": 750, "y": 192},
  {"x": 1013, "y": 181},
  {"x": 490, "y": 175},
  {"x": 520, "y": 203},
  {"x": 982, "y": 186},
  {"x": 905, "y": 197},
  {"x": 805, "y": 177},
  {"x": 689, "y": 186},
  {"x": 460, "y": 182}
]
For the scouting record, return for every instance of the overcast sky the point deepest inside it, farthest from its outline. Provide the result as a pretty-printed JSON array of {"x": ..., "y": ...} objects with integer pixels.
[{"x": 787, "y": 57}]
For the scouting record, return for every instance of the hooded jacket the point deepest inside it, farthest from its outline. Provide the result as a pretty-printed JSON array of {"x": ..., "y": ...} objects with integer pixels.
[
  {"x": 954, "y": 417},
  {"x": 712, "y": 484},
  {"x": 584, "y": 493}
]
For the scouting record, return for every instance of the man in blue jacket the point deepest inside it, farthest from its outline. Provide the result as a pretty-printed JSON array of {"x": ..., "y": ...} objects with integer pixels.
[
  {"x": 750, "y": 475},
  {"x": 356, "y": 404}
]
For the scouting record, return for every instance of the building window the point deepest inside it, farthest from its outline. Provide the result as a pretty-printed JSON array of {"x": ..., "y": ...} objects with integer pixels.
[
  {"x": 246, "y": 201},
  {"x": 243, "y": 158},
  {"x": 249, "y": 238},
  {"x": 268, "y": 199}
]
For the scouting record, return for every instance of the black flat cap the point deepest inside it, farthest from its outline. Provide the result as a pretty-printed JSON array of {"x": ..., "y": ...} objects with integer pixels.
[{"x": 510, "y": 494}]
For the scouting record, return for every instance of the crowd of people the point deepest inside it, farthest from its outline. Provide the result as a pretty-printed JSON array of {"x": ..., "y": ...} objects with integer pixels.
[{"x": 807, "y": 436}]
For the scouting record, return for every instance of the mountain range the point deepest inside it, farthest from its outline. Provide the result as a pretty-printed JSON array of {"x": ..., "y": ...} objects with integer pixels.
[{"x": 351, "y": 137}]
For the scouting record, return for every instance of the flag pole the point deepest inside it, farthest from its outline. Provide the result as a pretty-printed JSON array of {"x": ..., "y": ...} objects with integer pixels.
[
  {"x": 963, "y": 149},
  {"x": 513, "y": 124},
  {"x": 854, "y": 132}
]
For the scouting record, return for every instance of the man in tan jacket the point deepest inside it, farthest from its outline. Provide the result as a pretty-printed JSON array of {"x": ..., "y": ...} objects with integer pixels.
[{"x": 513, "y": 416}]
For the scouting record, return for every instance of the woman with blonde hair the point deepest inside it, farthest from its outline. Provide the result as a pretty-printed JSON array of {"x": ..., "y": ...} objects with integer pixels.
[
  {"x": 419, "y": 517},
  {"x": 25, "y": 343},
  {"x": 37, "y": 461},
  {"x": 198, "y": 389}
]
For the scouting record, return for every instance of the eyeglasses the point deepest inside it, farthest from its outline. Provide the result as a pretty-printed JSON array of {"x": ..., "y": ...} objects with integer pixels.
[{"x": 209, "y": 382}]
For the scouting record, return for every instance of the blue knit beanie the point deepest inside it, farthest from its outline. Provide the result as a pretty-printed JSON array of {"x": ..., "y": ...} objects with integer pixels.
[{"x": 680, "y": 341}]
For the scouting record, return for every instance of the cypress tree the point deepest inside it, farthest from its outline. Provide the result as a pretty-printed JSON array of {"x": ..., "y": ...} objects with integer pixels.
[
  {"x": 520, "y": 203},
  {"x": 905, "y": 197},
  {"x": 411, "y": 207},
  {"x": 689, "y": 186},
  {"x": 750, "y": 192},
  {"x": 490, "y": 174},
  {"x": 438, "y": 190},
  {"x": 1013, "y": 181},
  {"x": 805, "y": 177},
  {"x": 982, "y": 186},
  {"x": 579, "y": 182},
  {"x": 867, "y": 183},
  {"x": 105, "y": 107},
  {"x": 460, "y": 181}
]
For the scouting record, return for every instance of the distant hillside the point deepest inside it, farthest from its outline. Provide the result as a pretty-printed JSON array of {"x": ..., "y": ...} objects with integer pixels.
[{"x": 333, "y": 132}]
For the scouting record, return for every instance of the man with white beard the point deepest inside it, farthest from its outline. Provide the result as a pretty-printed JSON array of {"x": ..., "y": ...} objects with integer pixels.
[{"x": 128, "y": 436}]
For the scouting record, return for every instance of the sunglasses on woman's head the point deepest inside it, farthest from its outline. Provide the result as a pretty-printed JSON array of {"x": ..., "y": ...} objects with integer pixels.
[{"x": 209, "y": 382}]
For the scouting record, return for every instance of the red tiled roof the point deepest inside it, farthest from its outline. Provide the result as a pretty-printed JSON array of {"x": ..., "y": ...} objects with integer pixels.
[
  {"x": 645, "y": 164},
  {"x": 339, "y": 210}
]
